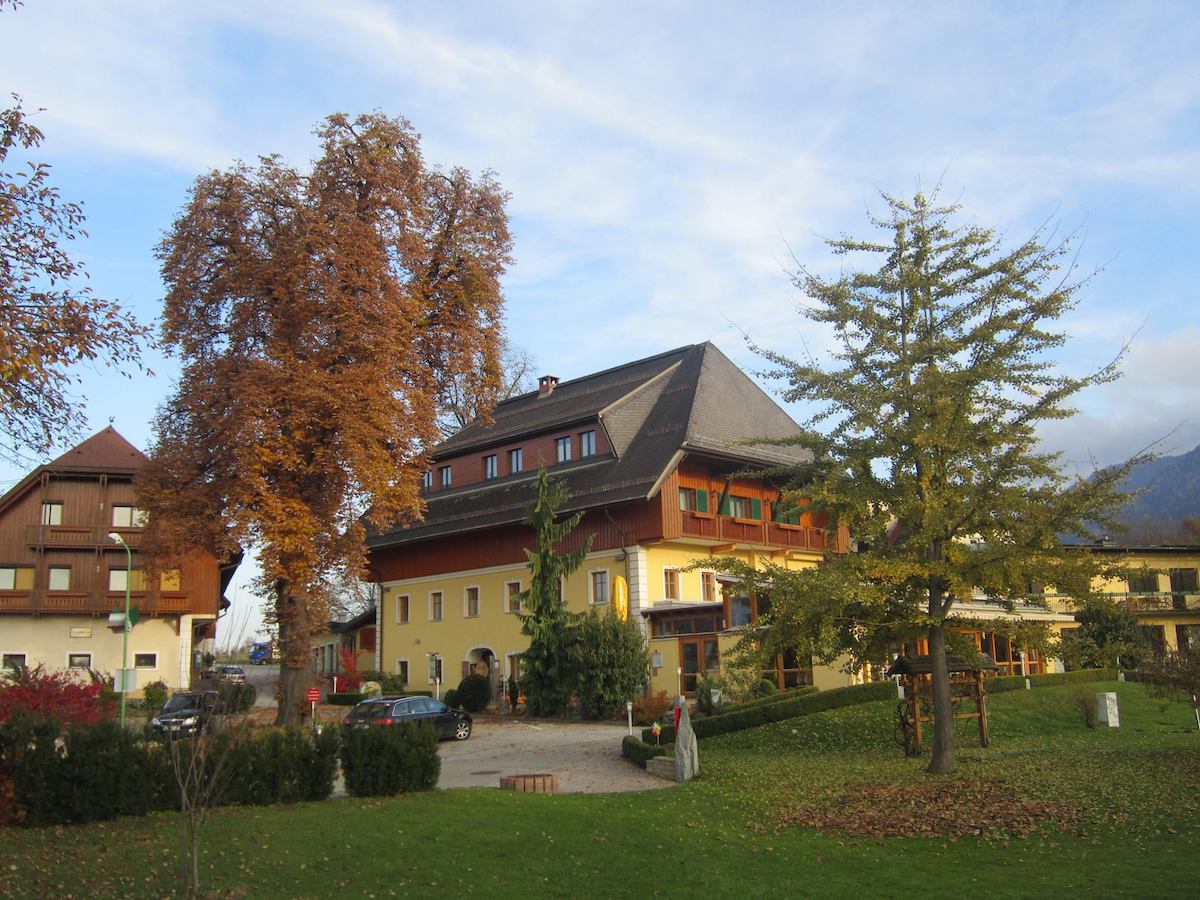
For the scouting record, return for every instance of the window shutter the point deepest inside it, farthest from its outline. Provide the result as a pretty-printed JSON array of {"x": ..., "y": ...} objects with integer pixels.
[
  {"x": 701, "y": 500},
  {"x": 755, "y": 508},
  {"x": 725, "y": 506}
]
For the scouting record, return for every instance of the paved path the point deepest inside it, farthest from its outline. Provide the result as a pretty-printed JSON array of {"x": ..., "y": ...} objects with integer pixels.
[{"x": 586, "y": 756}]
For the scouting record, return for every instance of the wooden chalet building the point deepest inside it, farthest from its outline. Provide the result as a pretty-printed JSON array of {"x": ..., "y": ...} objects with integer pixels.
[
  {"x": 651, "y": 452},
  {"x": 61, "y": 575}
]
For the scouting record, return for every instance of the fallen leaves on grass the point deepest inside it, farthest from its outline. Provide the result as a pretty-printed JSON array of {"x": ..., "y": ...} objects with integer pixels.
[{"x": 951, "y": 809}]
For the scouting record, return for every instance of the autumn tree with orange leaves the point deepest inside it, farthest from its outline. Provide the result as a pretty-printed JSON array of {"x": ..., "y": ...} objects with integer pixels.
[{"x": 318, "y": 318}]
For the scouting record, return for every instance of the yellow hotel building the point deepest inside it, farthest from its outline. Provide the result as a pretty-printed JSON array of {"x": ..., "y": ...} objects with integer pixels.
[{"x": 651, "y": 452}]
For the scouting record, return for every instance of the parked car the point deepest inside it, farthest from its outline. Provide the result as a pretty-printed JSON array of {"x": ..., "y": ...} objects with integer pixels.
[
  {"x": 390, "y": 711},
  {"x": 233, "y": 674},
  {"x": 188, "y": 712}
]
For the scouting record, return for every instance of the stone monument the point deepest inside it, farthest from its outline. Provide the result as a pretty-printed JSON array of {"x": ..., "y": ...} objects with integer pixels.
[{"x": 687, "y": 754}]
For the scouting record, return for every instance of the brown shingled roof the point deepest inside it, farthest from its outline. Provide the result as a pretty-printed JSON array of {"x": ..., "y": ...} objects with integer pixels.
[
  {"x": 655, "y": 410},
  {"x": 104, "y": 451}
]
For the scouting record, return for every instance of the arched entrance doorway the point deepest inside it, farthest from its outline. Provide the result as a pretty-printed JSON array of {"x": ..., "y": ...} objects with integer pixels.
[{"x": 483, "y": 661}]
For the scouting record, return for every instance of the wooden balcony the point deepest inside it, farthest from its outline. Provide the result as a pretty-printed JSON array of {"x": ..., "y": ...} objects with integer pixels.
[
  {"x": 94, "y": 603},
  {"x": 728, "y": 530},
  {"x": 77, "y": 537}
]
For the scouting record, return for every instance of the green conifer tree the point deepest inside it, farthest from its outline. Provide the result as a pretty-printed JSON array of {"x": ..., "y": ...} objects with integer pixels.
[
  {"x": 926, "y": 442},
  {"x": 547, "y": 667}
]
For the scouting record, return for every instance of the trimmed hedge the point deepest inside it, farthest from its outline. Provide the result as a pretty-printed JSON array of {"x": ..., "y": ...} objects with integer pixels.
[
  {"x": 780, "y": 697},
  {"x": 802, "y": 705},
  {"x": 383, "y": 762},
  {"x": 345, "y": 698},
  {"x": 1001, "y": 683},
  {"x": 639, "y": 751},
  {"x": 281, "y": 767}
]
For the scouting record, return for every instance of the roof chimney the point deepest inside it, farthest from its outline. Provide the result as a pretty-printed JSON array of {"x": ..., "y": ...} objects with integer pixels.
[{"x": 546, "y": 384}]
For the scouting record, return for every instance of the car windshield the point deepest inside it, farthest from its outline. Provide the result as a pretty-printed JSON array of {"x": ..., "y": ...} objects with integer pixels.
[{"x": 182, "y": 701}]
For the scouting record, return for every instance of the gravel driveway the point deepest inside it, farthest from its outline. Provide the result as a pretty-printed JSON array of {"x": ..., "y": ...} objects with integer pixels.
[{"x": 585, "y": 756}]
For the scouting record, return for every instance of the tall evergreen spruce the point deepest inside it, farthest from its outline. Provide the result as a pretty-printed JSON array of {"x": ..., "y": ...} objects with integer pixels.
[
  {"x": 547, "y": 667},
  {"x": 926, "y": 442}
]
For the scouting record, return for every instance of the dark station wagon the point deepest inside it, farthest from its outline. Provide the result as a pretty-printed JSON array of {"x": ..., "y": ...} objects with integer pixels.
[{"x": 386, "y": 712}]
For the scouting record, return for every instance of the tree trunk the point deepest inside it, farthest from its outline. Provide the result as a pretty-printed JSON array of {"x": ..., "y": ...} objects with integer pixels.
[
  {"x": 295, "y": 664},
  {"x": 943, "y": 707}
]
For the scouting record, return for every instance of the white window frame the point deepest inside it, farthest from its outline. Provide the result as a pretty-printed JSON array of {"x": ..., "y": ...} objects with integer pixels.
[
  {"x": 86, "y": 653},
  {"x": 407, "y": 617},
  {"x": 508, "y": 595},
  {"x": 587, "y": 443},
  {"x": 467, "y": 614},
  {"x": 441, "y": 595},
  {"x": 515, "y": 456},
  {"x": 50, "y": 570},
  {"x": 592, "y": 586},
  {"x": 678, "y": 583},
  {"x": 136, "y": 654},
  {"x": 136, "y": 517},
  {"x": 52, "y": 511}
]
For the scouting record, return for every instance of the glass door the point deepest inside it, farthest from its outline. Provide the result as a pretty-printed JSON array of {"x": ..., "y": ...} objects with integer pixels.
[{"x": 698, "y": 655}]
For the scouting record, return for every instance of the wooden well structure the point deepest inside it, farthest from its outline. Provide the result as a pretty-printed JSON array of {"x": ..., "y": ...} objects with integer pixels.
[{"x": 916, "y": 708}]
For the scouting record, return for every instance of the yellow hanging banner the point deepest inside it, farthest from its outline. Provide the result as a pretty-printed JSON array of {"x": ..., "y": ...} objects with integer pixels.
[{"x": 620, "y": 598}]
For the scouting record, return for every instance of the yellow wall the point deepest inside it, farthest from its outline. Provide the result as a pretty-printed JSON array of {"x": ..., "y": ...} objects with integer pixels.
[{"x": 457, "y": 637}]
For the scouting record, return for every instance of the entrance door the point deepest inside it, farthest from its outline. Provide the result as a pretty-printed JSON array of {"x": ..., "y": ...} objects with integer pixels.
[{"x": 698, "y": 655}]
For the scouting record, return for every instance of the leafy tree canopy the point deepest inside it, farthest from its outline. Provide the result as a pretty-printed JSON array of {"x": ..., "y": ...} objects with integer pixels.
[
  {"x": 49, "y": 321},
  {"x": 318, "y": 317},
  {"x": 925, "y": 439}
]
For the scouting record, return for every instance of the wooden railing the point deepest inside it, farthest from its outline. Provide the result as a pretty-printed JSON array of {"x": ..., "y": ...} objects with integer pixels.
[
  {"x": 79, "y": 536},
  {"x": 727, "y": 529},
  {"x": 149, "y": 603}
]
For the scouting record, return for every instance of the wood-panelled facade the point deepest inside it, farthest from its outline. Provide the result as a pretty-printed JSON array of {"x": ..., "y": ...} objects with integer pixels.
[{"x": 61, "y": 575}]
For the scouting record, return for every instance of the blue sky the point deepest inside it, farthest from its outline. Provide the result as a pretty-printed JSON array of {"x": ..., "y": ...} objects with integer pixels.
[{"x": 666, "y": 160}]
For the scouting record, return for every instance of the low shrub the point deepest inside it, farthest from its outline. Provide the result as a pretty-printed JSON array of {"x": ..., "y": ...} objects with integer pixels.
[
  {"x": 776, "y": 697},
  {"x": 639, "y": 751},
  {"x": 1000, "y": 683},
  {"x": 651, "y": 709},
  {"x": 764, "y": 688},
  {"x": 474, "y": 693},
  {"x": 391, "y": 685},
  {"x": 452, "y": 699},
  {"x": 154, "y": 695},
  {"x": 236, "y": 698},
  {"x": 800, "y": 704},
  {"x": 1085, "y": 702},
  {"x": 279, "y": 765},
  {"x": 97, "y": 772},
  {"x": 54, "y": 695},
  {"x": 383, "y": 762},
  {"x": 349, "y": 698}
]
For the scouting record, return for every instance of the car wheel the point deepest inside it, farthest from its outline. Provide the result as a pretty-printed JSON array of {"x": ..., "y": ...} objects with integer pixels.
[{"x": 462, "y": 731}]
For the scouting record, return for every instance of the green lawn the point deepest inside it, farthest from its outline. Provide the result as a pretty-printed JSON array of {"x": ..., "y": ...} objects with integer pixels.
[{"x": 1126, "y": 800}]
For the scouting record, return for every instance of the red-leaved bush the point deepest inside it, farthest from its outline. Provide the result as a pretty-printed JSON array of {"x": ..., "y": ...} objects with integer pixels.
[
  {"x": 349, "y": 679},
  {"x": 53, "y": 695}
]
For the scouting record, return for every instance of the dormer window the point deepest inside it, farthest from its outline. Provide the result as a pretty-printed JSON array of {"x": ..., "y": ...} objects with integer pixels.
[
  {"x": 444, "y": 476},
  {"x": 516, "y": 461},
  {"x": 427, "y": 481},
  {"x": 587, "y": 443},
  {"x": 562, "y": 449},
  {"x": 490, "y": 469}
]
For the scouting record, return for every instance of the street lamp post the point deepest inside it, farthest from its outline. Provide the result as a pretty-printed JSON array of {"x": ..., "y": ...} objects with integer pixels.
[{"x": 117, "y": 539}]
